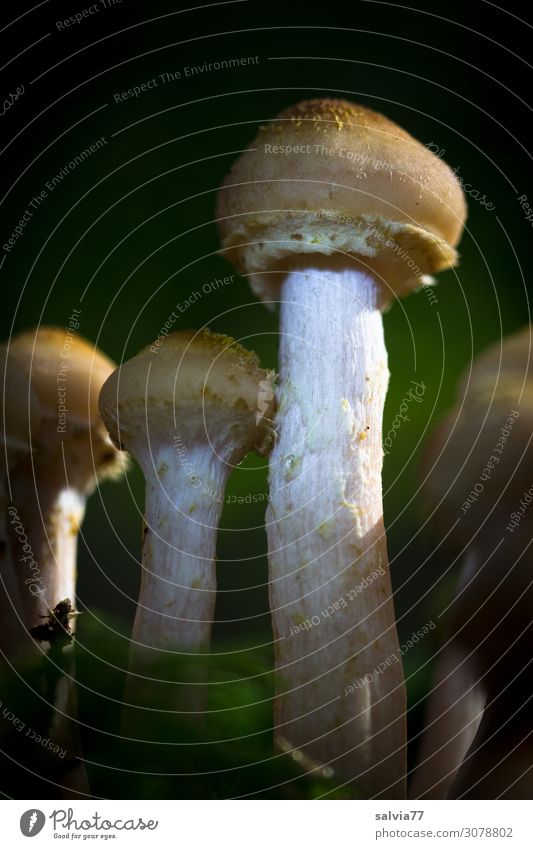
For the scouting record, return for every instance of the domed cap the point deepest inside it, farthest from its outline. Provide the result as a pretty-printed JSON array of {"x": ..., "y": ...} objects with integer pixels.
[
  {"x": 56, "y": 357},
  {"x": 20, "y": 414},
  {"x": 503, "y": 367},
  {"x": 202, "y": 385},
  {"x": 482, "y": 452},
  {"x": 66, "y": 373},
  {"x": 330, "y": 176}
]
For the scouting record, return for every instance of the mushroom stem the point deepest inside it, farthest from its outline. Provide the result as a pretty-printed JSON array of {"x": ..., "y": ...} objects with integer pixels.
[
  {"x": 454, "y": 712},
  {"x": 176, "y": 605},
  {"x": 178, "y": 583},
  {"x": 51, "y": 514},
  {"x": 340, "y": 694}
]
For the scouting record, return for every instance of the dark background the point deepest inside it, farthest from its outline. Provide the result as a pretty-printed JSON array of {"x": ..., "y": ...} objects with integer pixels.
[{"x": 131, "y": 232}]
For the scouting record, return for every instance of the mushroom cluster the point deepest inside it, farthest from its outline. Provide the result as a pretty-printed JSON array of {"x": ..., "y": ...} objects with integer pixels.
[{"x": 333, "y": 213}]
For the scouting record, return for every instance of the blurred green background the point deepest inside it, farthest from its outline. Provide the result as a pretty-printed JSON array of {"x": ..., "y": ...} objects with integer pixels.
[{"x": 130, "y": 233}]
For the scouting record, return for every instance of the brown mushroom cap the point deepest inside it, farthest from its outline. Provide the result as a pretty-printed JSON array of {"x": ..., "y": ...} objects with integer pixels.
[
  {"x": 200, "y": 384},
  {"x": 50, "y": 352},
  {"x": 352, "y": 181},
  {"x": 500, "y": 368},
  {"x": 58, "y": 358},
  {"x": 484, "y": 424}
]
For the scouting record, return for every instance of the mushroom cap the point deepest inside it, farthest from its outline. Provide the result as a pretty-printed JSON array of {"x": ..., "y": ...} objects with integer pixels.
[
  {"x": 492, "y": 418},
  {"x": 200, "y": 384},
  {"x": 59, "y": 360},
  {"x": 332, "y": 177},
  {"x": 20, "y": 415},
  {"x": 480, "y": 459},
  {"x": 506, "y": 363},
  {"x": 52, "y": 353}
]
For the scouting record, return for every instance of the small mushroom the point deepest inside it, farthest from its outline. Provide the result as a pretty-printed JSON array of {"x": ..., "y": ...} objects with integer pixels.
[
  {"x": 477, "y": 470},
  {"x": 71, "y": 452},
  {"x": 20, "y": 417},
  {"x": 333, "y": 212},
  {"x": 188, "y": 413}
]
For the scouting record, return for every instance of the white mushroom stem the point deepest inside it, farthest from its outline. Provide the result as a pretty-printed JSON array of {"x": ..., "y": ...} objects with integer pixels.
[
  {"x": 340, "y": 692},
  {"x": 175, "y": 611},
  {"x": 453, "y": 715},
  {"x": 50, "y": 514},
  {"x": 45, "y": 553}
]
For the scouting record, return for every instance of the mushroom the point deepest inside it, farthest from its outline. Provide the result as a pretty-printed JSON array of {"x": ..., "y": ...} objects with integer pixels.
[
  {"x": 20, "y": 417},
  {"x": 188, "y": 412},
  {"x": 71, "y": 452},
  {"x": 477, "y": 470},
  {"x": 334, "y": 211}
]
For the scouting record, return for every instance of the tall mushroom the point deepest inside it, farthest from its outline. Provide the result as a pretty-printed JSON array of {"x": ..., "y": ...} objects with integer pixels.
[
  {"x": 20, "y": 417},
  {"x": 71, "y": 452},
  {"x": 188, "y": 412},
  {"x": 477, "y": 468},
  {"x": 334, "y": 211}
]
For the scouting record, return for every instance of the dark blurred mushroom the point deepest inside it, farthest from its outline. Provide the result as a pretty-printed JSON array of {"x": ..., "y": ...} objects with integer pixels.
[{"x": 479, "y": 484}]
